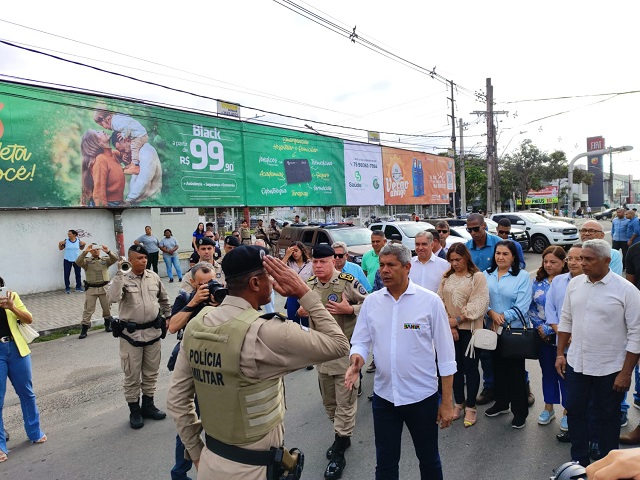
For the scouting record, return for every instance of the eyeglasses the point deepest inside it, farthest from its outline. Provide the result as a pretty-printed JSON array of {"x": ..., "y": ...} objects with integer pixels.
[
  {"x": 442, "y": 231},
  {"x": 504, "y": 232},
  {"x": 473, "y": 229},
  {"x": 339, "y": 255},
  {"x": 590, "y": 231}
]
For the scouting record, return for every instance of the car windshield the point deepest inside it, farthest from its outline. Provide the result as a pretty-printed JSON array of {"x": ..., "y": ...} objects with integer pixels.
[
  {"x": 352, "y": 236},
  {"x": 533, "y": 218},
  {"x": 412, "y": 229},
  {"x": 491, "y": 224}
]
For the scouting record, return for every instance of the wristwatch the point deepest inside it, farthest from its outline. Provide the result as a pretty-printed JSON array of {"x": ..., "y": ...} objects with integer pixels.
[{"x": 459, "y": 320}]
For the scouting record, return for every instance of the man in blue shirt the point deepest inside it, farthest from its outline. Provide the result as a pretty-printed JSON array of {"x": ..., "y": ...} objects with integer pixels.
[
  {"x": 619, "y": 233},
  {"x": 343, "y": 265},
  {"x": 633, "y": 227}
]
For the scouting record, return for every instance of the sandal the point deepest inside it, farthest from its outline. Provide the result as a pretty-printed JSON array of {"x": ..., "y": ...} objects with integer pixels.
[
  {"x": 3, "y": 457},
  {"x": 458, "y": 408},
  {"x": 42, "y": 440},
  {"x": 470, "y": 417}
]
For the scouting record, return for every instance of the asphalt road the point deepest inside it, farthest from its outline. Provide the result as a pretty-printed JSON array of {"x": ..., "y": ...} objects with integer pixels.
[{"x": 85, "y": 416}]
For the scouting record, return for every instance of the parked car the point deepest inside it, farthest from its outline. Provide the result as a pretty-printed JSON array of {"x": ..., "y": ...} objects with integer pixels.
[
  {"x": 549, "y": 216},
  {"x": 542, "y": 232},
  {"x": 605, "y": 214},
  {"x": 358, "y": 239},
  {"x": 407, "y": 232}
]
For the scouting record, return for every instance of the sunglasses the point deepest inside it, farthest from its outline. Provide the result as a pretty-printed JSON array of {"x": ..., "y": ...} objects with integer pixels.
[
  {"x": 339, "y": 255},
  {"x": 237, "y": 236},
  {"x": 504, "y": 232},
  {"x": 442, "y": 231},
  {"x": 473, "y": 229}
]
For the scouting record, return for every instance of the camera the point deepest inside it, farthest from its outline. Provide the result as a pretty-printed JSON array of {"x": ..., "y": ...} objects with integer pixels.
[
  {"x": 95, "y": 246},
  {"x": 217, "y": 291},
  {"x": 569, "y": 471}
]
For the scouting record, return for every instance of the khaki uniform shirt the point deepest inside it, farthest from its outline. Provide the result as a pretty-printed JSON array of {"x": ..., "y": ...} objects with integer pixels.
[
  {"x": 355, "y": 294},
  {"x": 273, "y": 233},
  {"x": 140, "y": 298},
  {"x": 96, "y": 269},
  {"x": 186, "y": 279},
  {"x": 245, "y": 235},
  {"x": 271, "y": 349}
]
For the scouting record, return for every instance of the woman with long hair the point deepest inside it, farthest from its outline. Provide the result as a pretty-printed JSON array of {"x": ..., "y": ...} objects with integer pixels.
[
  {"x": 198, "y": 233},
  {"x": 464, "y": 291},
  {"x": 15, "y": 364},
  {"x": 554, "y": 263},
  {"x": 297, "y": 259},
  {"x": 509, "y": 299},
  {"x": 103, "y": 180}
]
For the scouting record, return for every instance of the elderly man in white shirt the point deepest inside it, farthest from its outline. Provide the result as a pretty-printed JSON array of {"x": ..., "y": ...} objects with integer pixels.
[
  {"x": 427, "y": 269},
  {"x": 601, "y": 315},
  {"x": 404, "y": 322}
]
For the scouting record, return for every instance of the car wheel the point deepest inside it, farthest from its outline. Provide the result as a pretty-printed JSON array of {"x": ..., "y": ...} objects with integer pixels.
[{"x": 539, "y": 243}]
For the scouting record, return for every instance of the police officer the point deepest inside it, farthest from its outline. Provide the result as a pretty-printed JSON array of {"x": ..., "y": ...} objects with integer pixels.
[
  {"x": 245, "y": 233},
  {"x": 261, "y": 233},
  {"x": 230, "y": 242},
  {"x": 273, "y": 232},
  {"x": 206, "y": 253},
  {"x": 342, "y": 295},
  {"x": 236, "y": 369},
  {"x": 142, "y": 300},
  {"x": 97, "y": 273}
]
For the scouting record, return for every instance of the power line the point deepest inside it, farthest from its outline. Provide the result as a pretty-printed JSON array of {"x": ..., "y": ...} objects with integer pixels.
[{"x": 568, "y": 97}]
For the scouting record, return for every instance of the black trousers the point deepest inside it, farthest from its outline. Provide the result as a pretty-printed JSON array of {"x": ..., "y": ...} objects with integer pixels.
[
  {"x": 510, "y": 384},
  {"x": 152, "y": 261}
]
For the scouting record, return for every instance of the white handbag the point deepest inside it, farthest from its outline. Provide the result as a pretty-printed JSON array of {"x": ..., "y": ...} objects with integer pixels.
[
  {"x": 481, "y": 338},
  {"x": 27, "y": 332}
]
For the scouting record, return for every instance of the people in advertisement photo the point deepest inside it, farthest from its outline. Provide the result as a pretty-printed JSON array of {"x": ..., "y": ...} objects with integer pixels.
[
  {"x": 127, "y": 128},
  {"x": 103, "y": 180}
]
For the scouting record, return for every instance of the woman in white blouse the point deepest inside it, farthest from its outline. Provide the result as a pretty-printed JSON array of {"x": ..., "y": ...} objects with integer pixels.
[{"x": 297, "y": 259}]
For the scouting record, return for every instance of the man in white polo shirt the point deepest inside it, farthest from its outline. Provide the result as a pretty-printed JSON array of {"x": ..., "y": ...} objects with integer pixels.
[{"x": 426, "y": 268}]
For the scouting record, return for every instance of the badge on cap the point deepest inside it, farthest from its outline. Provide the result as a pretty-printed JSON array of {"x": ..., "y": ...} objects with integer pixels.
[{"x": 333, "y": 297}]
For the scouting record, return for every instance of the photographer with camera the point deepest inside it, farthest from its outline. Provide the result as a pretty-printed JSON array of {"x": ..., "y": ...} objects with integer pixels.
[
  {"x": 206, "y": 250},
  {"x": 143, "y": 306},
  {"x": 97, "y": 272},
  {"x": 206, "y": 292},
  {"x": 236, "y": 370}
]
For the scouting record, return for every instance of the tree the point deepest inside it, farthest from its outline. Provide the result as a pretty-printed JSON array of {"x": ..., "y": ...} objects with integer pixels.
[{"x": 524, "y": 170}]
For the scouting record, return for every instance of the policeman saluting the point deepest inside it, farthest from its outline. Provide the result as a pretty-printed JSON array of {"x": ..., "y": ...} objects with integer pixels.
[
  {"x": 234, "y": 359},
  {"x": 143, "y": 305},
  {"x": 343, "y": 295}
]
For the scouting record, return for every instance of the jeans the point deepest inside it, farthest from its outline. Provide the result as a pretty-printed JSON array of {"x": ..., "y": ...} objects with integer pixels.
[
  {"x": 67, "y": 274},
  {"x": 420, "y": 419},
  {"x": 175, "y": 261},
  {"x": 152, "y": 261},
  {"x": 581, "y": 389},
  {"x": 18, "y": 369},
  {"x": 636, "y": 395},
  {"x": 182, "y": 466},
  {"x": 466, "y": 368},
  {"x": 553, "y": 387},
  {"x": 292, "y": 306}
]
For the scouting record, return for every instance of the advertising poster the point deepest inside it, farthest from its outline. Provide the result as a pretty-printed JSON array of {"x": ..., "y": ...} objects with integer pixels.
[
  {"x": 289, "y": 168},
  {"x": 66, "y": 149},
  {"x": 416, "y": 178},
  {"x": 363, "y": 174}
]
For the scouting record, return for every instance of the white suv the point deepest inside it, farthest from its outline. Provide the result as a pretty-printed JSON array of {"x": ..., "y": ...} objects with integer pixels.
[{"x": 541, "y": 231}]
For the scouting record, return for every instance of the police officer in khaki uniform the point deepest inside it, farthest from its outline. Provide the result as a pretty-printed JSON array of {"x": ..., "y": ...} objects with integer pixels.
[
  {"x": 234, "y": 360},
  {"x": 273, "y": 232},
  {"x": 245, "y": 233},
  {"x": 97, "y": 276},
  {"x": 206, "y": 250},
  {"x": 142, "y": 300},
  {"x": 342, "y": 295}
]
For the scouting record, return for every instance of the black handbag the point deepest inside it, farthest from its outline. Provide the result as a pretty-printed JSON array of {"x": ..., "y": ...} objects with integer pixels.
[{"x": 519, "y": 343}]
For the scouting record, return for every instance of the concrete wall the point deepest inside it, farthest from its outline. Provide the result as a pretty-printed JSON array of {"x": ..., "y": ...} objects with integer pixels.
[{"x": 30, "y": 261}]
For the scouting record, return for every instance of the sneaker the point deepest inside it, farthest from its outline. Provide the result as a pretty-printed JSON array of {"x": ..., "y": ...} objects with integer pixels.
[
  {"x": 496, "y": 410},
  {"x": 518, "y": 422},
  {"x": 360, "y": 389},
  {"x": 546, "y": 416},
  {"x": 171, "y": 280},
  {"x": 372, "y": 367},
  {"x": 624, "y": 419},
  {"x": 564, "y": 424},
  {"x": 563, "y": 437},
  {"x": 132, "y": 169},
  {"x": 80, "y": 290},
  {"x": 486, "y": 396},
  {"x": 67, "y": 291},
  {"x": 370, "y": 397}
]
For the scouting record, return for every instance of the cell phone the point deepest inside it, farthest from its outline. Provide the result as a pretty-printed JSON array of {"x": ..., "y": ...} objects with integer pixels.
[
  {"x": 4, "y": 292},
  {"x": 95, "y": 246},
  {"x": 499, "y": 330}
]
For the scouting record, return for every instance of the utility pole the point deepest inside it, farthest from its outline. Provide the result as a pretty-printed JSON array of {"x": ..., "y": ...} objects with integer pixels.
[
  {"x": 453, "y": 143},
  {"x": 463, "y": 180}
]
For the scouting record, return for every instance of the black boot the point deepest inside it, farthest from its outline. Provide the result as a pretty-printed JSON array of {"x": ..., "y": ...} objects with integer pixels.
[
  {"x": 337, "y": 463},
  {"x": 107, "y": 324},
  {"x": 149, "y": 410},
  {"x": 83, "y": 333},
  {"x": 135, "y": 418}
]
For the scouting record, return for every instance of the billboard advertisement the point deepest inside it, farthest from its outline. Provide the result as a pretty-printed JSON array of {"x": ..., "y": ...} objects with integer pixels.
[
  {"x": 286, "y": 167},
  {"x": 64, "y": 149},
  {"x": 363, "y": 174},
  {"x": 415, "y": 178},
  {"x": 546, "y": 195}
]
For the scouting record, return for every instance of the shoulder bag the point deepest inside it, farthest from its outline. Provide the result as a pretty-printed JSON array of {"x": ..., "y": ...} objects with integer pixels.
[
  {"x": 519, "y": 343},
  {"x": 29, "y": 333},
  {"x": 481, "y": 338}
]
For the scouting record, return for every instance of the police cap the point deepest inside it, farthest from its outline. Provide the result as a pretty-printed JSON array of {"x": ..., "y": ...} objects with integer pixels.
[
  {"x": 206, "y": 241},
  {"x": 139, "y": 249},
  {"x": 242, "y": 260},
  {"x": 322, "y": 250},
  {"x": 232, "y": 241}
]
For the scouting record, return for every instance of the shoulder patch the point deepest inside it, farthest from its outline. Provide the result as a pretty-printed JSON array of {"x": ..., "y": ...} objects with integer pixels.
[
  {"x": 312, "y": 279},
  {"x": 362, "y": 290},
  {"x": 271, "y": 316},
  {"x": 347, "y": 276}
]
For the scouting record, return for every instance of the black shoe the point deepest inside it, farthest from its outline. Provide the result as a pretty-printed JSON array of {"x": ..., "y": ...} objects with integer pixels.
[
  {"x": 531, "y": 399},
  {"x": 496, "y": 410},
  {"x": 370, "y": 397},
  {"x": 135, "y": 418},
  {"x": 171, "y": 280},
  {"x": 310, "y": 367},
  {"x": 486, "y": 396},
  {"x": 330, "y": 450},
  {"x": 360, "y": 389},
  {"x": 83, "y": 333},
  {"x": 518, "y": 421},
  {"x": 107, "y": 324},
  {"x": 149, "y": 410},
  {"x": 594, "y": 451},
  {"x": 563, "y": 437},
  {"x": 337, "y": 463}
]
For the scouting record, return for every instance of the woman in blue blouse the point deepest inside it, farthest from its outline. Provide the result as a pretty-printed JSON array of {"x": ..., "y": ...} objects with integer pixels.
[
  {"x": 198, "y": 233},
  {"x": 554, "y": 262},
  {"x": 509, "y": 299}
]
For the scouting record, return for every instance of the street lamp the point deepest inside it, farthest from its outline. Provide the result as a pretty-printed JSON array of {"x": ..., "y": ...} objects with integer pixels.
[{"x": 602, "y": 151}]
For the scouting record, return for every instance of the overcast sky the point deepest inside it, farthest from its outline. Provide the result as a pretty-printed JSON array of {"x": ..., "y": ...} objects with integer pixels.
[{"x": 260, "y": 54}]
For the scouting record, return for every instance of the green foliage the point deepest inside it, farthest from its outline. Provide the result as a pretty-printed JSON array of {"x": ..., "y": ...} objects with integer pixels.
[{"x": 582, "y": 176}]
